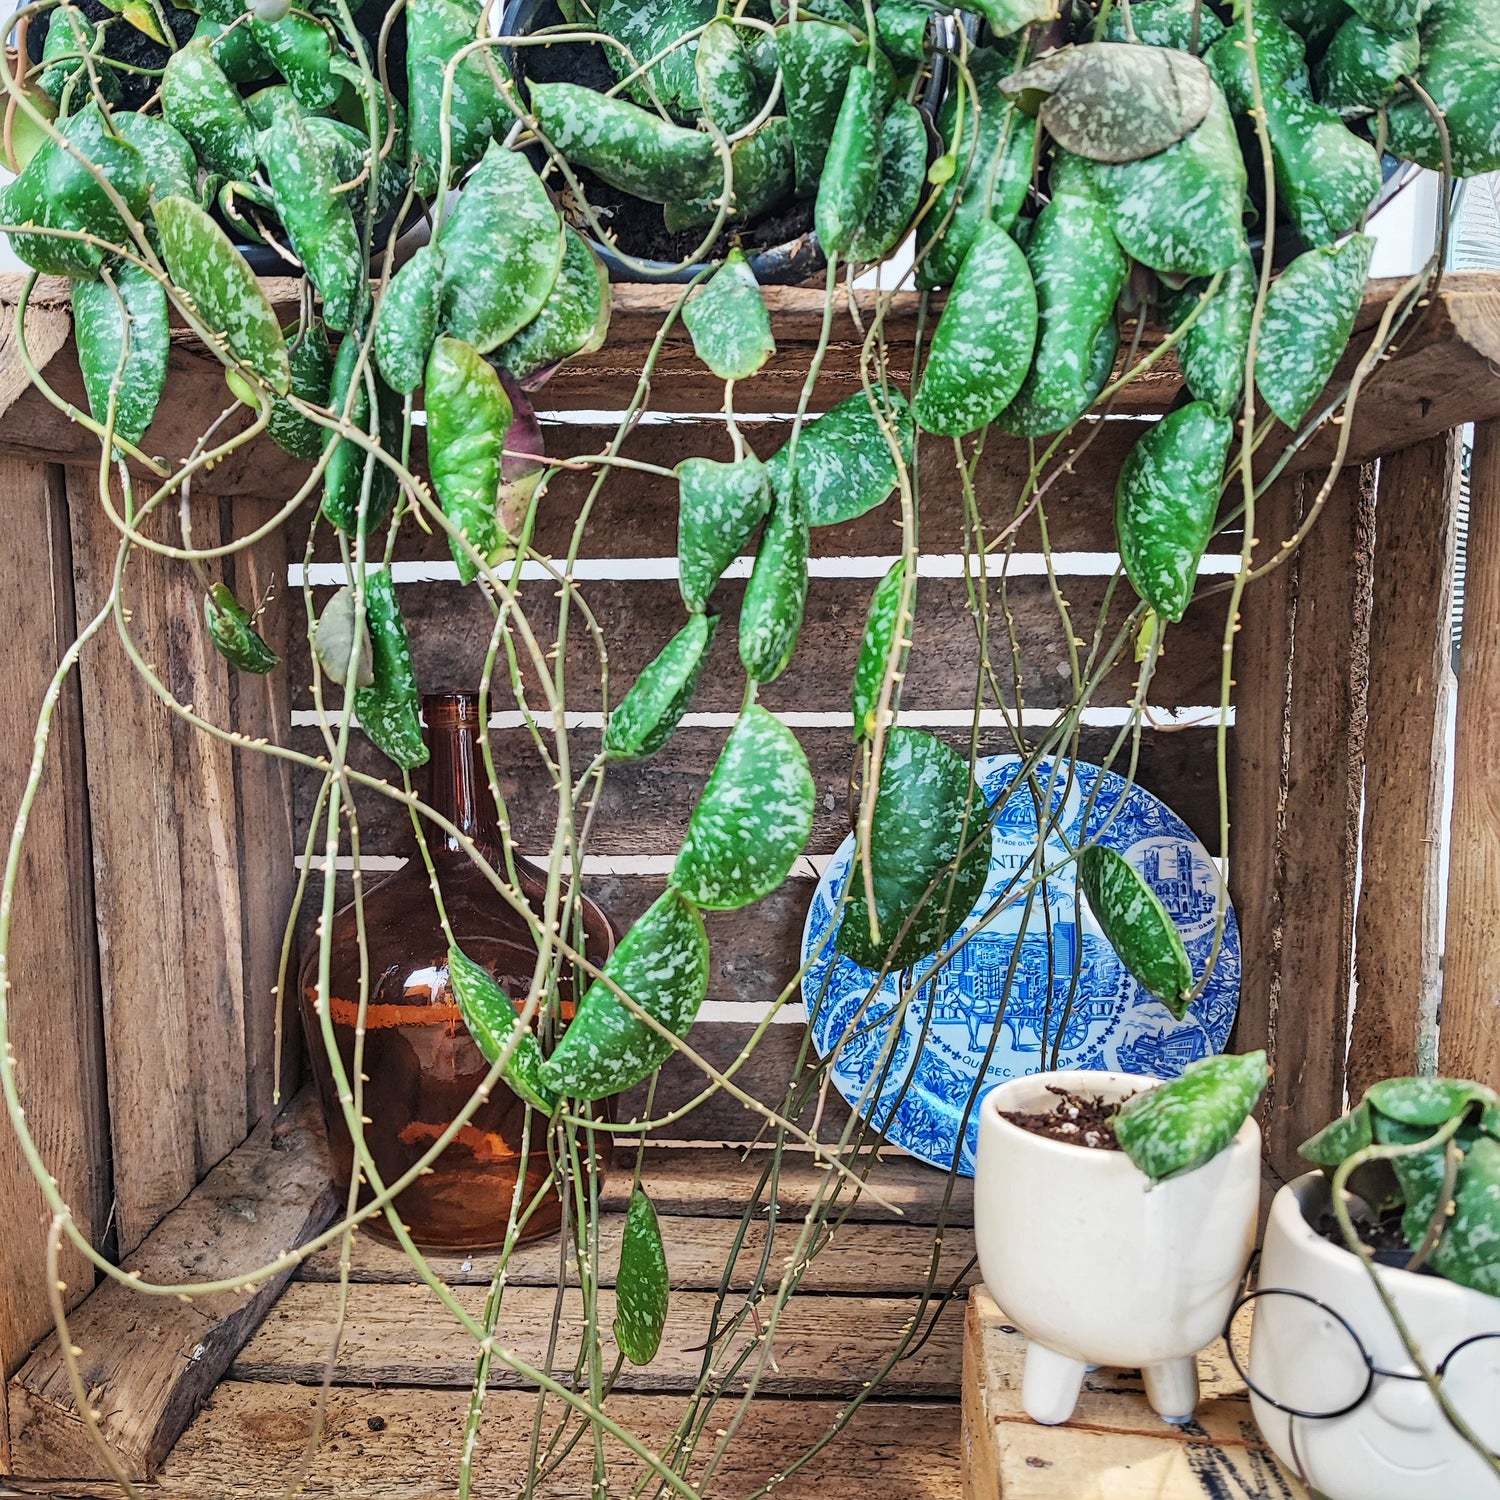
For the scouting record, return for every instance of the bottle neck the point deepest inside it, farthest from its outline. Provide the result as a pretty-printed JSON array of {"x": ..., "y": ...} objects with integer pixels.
[{"x": 456, "y": 781}]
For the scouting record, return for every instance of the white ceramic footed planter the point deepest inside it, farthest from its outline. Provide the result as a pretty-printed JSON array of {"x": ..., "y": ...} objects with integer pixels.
[
  {"x": 1094, "y": 1264},
  {"x": 1395, "y": 1444}
]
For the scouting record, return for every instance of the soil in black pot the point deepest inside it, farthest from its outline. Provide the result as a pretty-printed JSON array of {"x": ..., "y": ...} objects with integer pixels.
[
  {"x": 638, "y": 228},
  {"x": 123, "y": 43},
  {"x": 1077, "y": 1120},
  {"x": 1384, "y": 1236}
]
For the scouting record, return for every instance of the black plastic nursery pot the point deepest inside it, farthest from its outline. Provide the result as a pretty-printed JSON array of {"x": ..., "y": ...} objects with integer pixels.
[{"x": 781, "y": 245}]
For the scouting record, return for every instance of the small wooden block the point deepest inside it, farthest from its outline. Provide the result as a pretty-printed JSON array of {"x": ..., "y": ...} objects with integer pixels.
[
  {"x": 1115, "y": 1447},
  {"x": 149, "y": 1362}
]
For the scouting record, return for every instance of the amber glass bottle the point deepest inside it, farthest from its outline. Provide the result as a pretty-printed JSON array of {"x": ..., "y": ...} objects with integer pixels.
[{"x": 420, "y": 1061}]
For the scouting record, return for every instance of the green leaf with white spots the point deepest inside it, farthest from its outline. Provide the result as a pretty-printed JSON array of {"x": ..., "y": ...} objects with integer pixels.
[
  {"x": 1113, "y": 102},
  {"x": 650, "y": 711},
  {"x": 718, "y": 508},
  {"x": 844, "y": 462},
  {"x": 875, "y": 648},
  {"x": 1183, "y": 1124},
  {"x": 222, "y": 291},
  {"x": 1362, "y": 67},
  {"x": 1337, "y": 1142},
  {"x": 898, "y": 184},
  {"x": 753, "y": 819},
  {"x": 1309, "y": 316},
  {"x": 1469, "y": 1251},
  {"x": 729, "y": 323},
  {"x": 123, "y": 342},
  {"x": 1211, "y": 354},
  {"x": 1166, "y": 499},
  {"x": 231, "y": 628},
  {"x": 662, "y": 964},
  {"x": 816, "y": 59},
  {"x": 730, "y": 93},
  {"x": 502, "y": 248},
  {"x": 573, "y": 320},
  {"x": 1137, "y": 926},
  {"x": 776, "y": 596},
  {"x": 490, "y": 1015},
  {"x": 1326, "y": 176},
  {"x": 390, "y": 708},
  {"x": 1430, "y": 1101},
  {"x": 930, "y": 831},
  {"x": 1166, "y": 23},
  {"x": 982, "y": 347},
  {"x": 656, "y": 30},
  {"x": 1182, "y": 211},
  {"x": 1460, "y": 71},
  {"x": 1006, "y": 17},
  {"x": 406, "y": 322},
  {"x": 1280, "y": 61},
  {"x": 642, "y": 1288}
]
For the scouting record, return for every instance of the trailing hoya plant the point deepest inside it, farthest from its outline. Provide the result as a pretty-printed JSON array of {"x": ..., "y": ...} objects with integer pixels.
[{"x": 1098, "y": 190}]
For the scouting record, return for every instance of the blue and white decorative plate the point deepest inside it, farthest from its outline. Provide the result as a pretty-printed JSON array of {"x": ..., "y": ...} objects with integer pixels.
[{"x": 932, "y": 1078}]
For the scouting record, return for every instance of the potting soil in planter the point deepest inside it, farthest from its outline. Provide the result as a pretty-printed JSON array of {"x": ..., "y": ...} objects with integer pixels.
[{"x": 1078, "y": 1120}]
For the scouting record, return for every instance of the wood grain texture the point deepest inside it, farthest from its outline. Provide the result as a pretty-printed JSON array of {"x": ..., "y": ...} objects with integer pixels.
[
  {"x": 405, "y": 1445},
  {"x": 396, "y": 1335},
  {"x": 1398, "y": 954},
  {"x": 149, "y": 1363},
  {"x": 1307, "y": 968},
  {"x": 1115, "y": 1447},
  {"x": 1469, "y": 1031},
  {"x": 879, "y": 1259},
  {"x": 161, "y": 799},
  {"x": 53, "y": 980}
]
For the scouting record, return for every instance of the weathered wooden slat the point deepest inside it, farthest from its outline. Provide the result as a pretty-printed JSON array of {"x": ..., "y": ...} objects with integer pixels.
[
  {"x": 162, "y": 802},
  {"x": 1397, "y": 954},
  {"x": 1299, "y": 855},
  {"x": 450, "y": 630},
  {"x": 405, "y": 1445},
  {"x": 149, "y": 1363},
  {"x": 53, "y": 991},
  {"x": 397, "y": 1335},
  {"x": 644, "y": 808},
  {"x": 881, "y": 1260},
  {"x": 1469, "y": 1034}
]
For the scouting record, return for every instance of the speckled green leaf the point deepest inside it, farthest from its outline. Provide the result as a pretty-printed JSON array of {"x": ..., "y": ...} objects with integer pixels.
[
  {"x": 1137, "y": 926},
  {"x": 649, "y": 27},
  {"x": 166, "y": 157},
  {"x": 302, "y": 49},
  {"x": 1315, "y": 21},
  {"x": 1309, "y": 316},
  {"x": 1469, "y": 1251},
  {"x": 64, "y": 78},
  {"x": 222, "y": 290},
  {"x": 200, "y": 102},
  {"x": 728, "y": 320},
  {"x": 389, "y": 709},
  {"x": 1079, "y": 270},
  {"x": 1166, "y": 23},
  {"x": 231, "y": 629},
  {"x": 311, "y": 362},
  {"x": 631, "y": 148},
  {"x": 642, "y": 1286},
  {"x": 1185, "y": 1123},
  {"x": 1326, "y": 176},
  {"x": 982, "y": 347},
  {"x": 123, "y": 342},
  {"x": 490, "y": 1015},
  {"x": 753, "y": 819},
  {"x": 929, "y": 814},
  {"x": 719, "y": 506},
  {"x": 1337, "y": 1142},
  {"x": 776, "y": 595},
  {"x": 56, "y": 192},
  {"x": 1113, "y": 102},
  {"x": 436, "y": 31},
  {"x": 1461, "y": 71},
  {"x": 344, "y": 498},
  {"x": 1181, "y": 211},
  {"x": 1363, "y": 66},
  {"x": 573, "y": 320},
  {"x": 1428, "y": 1102},
  {"x": 728, "y": 89},
  {"x": 662, "y": 964},
  {"x": 406, "y": 322},
  {"x": 875, "y": 652},
  {"x": 1392, "y": 15},
  {"x": 1006, "y": 17},
  {"x": 1165, "y": 501},
  {"x": 852, "y": 167},
  {"x": 901, "y": 30},
  {"x": 334, "y": 642},
  {"x": 502, "y": 249},
  {"x": 993, "y": 185},
  {"x": 1279, "y": 60},
  {"x": 816, "y": 59},
  {"x": 1211, "y": 354},
  {"x": 763, "y": 176},
  {"x": 898, "y": 184},
  {"x": 646, "y": 716},
  {"x": 844, "y": 462}
]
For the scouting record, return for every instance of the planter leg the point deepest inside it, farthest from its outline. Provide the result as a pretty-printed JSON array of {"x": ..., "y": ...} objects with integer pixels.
[
  {"x": 1050, "y": 1386},
  {"x": 1172, "y": 1388}
]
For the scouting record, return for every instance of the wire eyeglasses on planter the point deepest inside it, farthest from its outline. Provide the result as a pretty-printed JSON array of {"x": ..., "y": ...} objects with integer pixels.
[{"x": 1336, "y": 1372}]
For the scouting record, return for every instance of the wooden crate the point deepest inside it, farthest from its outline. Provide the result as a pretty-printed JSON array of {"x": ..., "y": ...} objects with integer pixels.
[{"x": 160, "y": 869}]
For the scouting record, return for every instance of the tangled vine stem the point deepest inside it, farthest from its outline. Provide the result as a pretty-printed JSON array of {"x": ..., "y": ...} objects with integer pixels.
[{"x": 528, "y": 653}]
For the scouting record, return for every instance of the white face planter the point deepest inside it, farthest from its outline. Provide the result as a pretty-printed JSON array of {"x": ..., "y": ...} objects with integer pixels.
[
  {"x": 1094, "y": 1264},
  {"x": 1332, "y": 1350}
]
